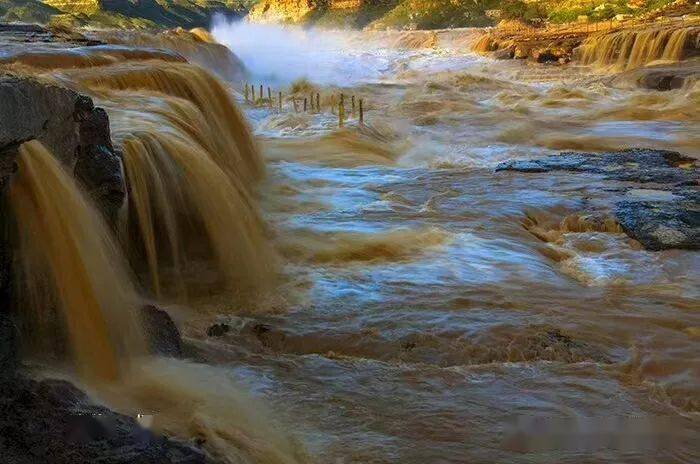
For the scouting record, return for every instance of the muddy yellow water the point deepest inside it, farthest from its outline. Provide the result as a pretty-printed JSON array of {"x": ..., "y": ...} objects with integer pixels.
[
  {"x": 440, "y": 309},
  {"x": 405, "y": 303}
]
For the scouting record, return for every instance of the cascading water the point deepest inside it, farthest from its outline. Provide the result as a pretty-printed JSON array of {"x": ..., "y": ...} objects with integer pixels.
[
  {"x": 632, "y": 48},
  {"x": 192, "y": 167},
  {"x": 69, "y": 260}
]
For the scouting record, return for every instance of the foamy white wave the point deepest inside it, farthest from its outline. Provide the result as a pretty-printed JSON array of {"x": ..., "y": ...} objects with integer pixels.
[{"x": 283, "y": 54}]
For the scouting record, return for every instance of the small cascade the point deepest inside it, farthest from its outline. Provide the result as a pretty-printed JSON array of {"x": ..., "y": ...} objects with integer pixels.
[
  {"x": 85, "y": 57},
  {"x": 192, "y": 167},
  {"x": 632, "y": 48},
  {"x": 197, "y": 45},
  {"x": 226, "y": 131},
  {"x": 68, "y": 261}
]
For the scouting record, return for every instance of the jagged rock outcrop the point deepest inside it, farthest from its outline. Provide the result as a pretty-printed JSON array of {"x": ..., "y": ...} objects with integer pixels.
[
  {"x": 78, "y": 134},
  {"x": 70, "y": 126},
  {"x": 98, "y": 166}
]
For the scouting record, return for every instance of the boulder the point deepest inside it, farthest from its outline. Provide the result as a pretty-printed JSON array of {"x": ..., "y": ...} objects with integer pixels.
[{"x": 162, "y": 334}]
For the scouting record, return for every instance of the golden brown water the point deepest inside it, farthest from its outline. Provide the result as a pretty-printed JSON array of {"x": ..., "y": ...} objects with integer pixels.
[
  {"x": 632, "y": 48},
  {"x": 70, "y": 262},
  {"x": 425, "y": 309}
]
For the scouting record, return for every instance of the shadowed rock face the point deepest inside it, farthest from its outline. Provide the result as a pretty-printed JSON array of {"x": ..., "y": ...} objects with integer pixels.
[
  {"x": 162, "y": 334},
  {"x": 35, "y": 110},
  {"x": 98, "y": 166},
  {"x": 52, "y": 421},
  {"x": 78, "y": 134},
  {"x": 657, "y": 223}
]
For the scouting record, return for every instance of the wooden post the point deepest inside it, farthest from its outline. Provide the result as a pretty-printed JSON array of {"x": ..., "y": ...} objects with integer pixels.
[
  {"x": 341, "y": 110},
  {"x": 296, "y": 108},
  {"x": 269, "y": 97},
  {"x": 279, "y": 100},
  {"x": 252, "y": 88},
  {"x": 362, "y": 113},
  {"x": 312, "y": 103},
  {"x": 353, "y": 106},
  {"x": 247, "y": 99},
  {"x": 261, "y": 92},
  {"x": 318, "y": 102},
  {"x": 305, "y": 100}
]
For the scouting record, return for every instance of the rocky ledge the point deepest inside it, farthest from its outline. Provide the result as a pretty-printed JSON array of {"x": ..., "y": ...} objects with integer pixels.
[
  {"x": 661, "y": 208},
  {"x": 52, "y": 421}
]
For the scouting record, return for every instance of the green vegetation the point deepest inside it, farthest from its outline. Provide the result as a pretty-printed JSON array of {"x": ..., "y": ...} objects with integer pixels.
[
  {"x": 26, "y": 11},
  {"x": 375, "y": 14},
  {"x": 120, "y": 14},
  {"x": 427, "y": 14}
]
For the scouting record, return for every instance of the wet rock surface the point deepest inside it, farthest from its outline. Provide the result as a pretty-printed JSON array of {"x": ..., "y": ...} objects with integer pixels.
[
  {"x": 661, "y": 212},
  {"x": 162, "y": 334},
  {"x": 218, "y": 330},
  {"x": 660, "y": 225},
  {"x": 98, "y": 166},
  {"x": 52, "y": 421}
]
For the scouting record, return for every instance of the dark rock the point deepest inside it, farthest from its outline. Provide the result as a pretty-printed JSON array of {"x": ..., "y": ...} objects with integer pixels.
[
  {"x": 98, "y": 166},
  {"x": 218, "y": 330},
  {"x": 52, "y": 421},
  {"x": 635, "y": 165},
  {"x": 99, "y": 170},
  {"x": 9, "y": 347},
  {"x": 38, "y": 110},
  {"x": 661, "y": 225},
  {"x": 69, "y": 125},
  {"x": 672, "y": 221},
  {"x": 268, "y": 336},
  {"x": 161, "y": 332}
]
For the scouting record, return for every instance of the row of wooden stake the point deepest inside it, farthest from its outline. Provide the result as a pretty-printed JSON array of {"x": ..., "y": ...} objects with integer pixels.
[{"x": 249, "y": 92}]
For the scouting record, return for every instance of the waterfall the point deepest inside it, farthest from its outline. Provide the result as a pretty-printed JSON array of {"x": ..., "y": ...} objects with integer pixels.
[
  {"x": 632, "y": 48},
  {"x": 192, "y": 167},
  {"x": 68, "y": 261}
]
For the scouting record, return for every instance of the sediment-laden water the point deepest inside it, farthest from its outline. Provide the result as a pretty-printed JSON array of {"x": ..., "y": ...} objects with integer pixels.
[{"x": 390, "y": 297}]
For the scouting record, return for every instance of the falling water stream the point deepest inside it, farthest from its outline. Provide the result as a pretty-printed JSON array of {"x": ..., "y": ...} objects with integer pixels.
[{"x": 390, "y": 297}]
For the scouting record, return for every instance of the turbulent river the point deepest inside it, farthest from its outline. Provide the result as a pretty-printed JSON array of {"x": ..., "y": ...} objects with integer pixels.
[
  {"x": 428, "y": 324},
  {"x": 426, "y": 309}
]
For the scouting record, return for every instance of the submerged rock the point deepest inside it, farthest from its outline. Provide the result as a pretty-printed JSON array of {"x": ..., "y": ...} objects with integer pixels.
[
  {"x": 162, "y": 334},
  {"x": 634, "y": 165},
  {"x": 218, "y": 330},
  {"x": 664, "y": 217},
  {"x": 52, "y": 421}
]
